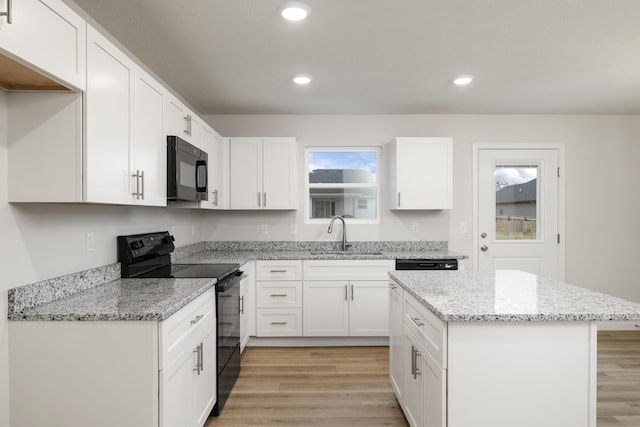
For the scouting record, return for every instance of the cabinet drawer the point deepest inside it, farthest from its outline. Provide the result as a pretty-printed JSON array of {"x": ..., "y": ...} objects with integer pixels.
[
  {"x": 186, "y": 326},
  {"x": 347, "y": 269},
  {"x": 430, "y": 330},
  {"x": 279, "y": 322},
  {"x": 279, "y": 294},
  {"x": 279, "y": 270}
]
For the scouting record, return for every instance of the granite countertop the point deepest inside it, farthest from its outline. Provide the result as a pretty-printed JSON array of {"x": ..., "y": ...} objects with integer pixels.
[
  {"x": 241, "y": 257},
  {"x": 510, "y": 295},
  {"x": 122, "y": 299}
]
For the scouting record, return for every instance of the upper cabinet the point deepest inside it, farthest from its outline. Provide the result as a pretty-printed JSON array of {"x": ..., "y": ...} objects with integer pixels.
[
  {"x": 217, "y": 160},
  {"x": 182, "y": 122},
  {"x": 124, "y": 145},
  {"x": 422, "y": 173},
  {"x": 262, "y": 173},
  {"x": 45, "y": 35}
]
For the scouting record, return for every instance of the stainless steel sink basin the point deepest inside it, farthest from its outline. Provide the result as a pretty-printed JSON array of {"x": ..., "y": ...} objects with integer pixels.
[{"x": 346, "y": 253}]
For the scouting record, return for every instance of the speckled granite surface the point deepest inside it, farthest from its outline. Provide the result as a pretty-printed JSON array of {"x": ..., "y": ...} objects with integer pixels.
[
  {"x": 125, "y": 299},
  {"x": 306, "y": 246},
  {"x": 510, "y": 295},
  {"x": 49, "y": 290}
]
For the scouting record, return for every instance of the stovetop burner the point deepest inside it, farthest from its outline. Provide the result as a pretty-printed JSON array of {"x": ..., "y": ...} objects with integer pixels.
[{"x": 148, "y": 255}]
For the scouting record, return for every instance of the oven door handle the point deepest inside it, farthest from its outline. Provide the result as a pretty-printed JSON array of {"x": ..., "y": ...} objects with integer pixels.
[{"x": 229, "y": 281}]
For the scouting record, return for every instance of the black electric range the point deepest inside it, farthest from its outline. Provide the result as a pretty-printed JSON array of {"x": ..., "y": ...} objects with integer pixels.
[{"x": 149, "y": 256}]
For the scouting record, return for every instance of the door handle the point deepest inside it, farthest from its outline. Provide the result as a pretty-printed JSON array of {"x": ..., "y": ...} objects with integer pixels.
[
  {"x": 484, "y": 248},
  {"x": 8, "y": 12}
]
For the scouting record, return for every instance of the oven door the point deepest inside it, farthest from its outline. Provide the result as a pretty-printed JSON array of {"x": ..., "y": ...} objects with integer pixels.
[
  {"x": 228, "y": 313},
  {"x": 186, "y": 171}
]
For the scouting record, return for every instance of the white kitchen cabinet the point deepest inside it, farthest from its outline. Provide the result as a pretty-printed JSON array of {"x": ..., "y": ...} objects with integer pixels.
[
  {"x": 262, "y": 173},
  {"x": 148, "y": 151},
  {"x": 217, "y": 159},
  {"x": 182, "y": 122},
  {"x": 247, "y": 304},
  {"x": 346, "y": 298},
  {"x": 396, "y": 340},
  {"x": 48, "y": 36},
  {"x": 115, "y": 373},
  {"x": 422, "y": 173},
  {"x": 125, "y": 150},
  {"x": 279, "y": 298}
]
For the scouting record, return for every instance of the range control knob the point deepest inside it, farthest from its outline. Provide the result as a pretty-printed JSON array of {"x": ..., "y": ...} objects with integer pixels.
[{"x": 137, "y": 244}]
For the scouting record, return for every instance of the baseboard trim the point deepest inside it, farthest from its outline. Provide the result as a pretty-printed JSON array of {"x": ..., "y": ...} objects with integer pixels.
[{"x": 318, "y": 341}]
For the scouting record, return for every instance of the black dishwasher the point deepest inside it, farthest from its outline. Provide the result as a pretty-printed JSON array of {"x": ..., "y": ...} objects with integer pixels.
[{"x": 426, "y": 264}]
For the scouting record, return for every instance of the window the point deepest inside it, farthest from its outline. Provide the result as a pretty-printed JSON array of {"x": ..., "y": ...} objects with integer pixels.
[
  {"x": 516, "y": 202},
  {"x": 343, "y": 181}
]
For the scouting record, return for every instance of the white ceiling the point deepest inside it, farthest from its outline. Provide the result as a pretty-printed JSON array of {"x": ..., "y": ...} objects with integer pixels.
[{"x": 388, "y": 56}]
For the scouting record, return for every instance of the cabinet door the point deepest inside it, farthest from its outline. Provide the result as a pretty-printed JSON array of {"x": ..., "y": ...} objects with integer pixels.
[
  {"x": 148, "y": 144},
  {"x": 175, "y": 392},
  {"x": 278, "y": 175},
  {"x": 245, "y": 186},
  {"x": 204, "y": 381},
  {"x": 435, "y": 403},
  {"x": 326, "y": 308},
  {"x": 175, "y": 119},
  {"x": 423, "y": 173},
  {"x": 396, "y": 340},
  {"x": 108, "y": 112},
  {"x": 47, "y": 34},
  {"x": 369, "y": 308},
  {"x": 413, "y": 381},
  {"x": 244, "y": 312},
  {"x": 213, "y": 144}
]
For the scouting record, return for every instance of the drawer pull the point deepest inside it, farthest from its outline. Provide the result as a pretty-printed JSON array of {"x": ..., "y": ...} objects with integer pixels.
[
  {"x": 278, "y": 295},
  {"x": 278, "y": 271},
  {"x": 197, "y": 319},
  {"x": 278, "y": 323},
  {"x": 417, "y": 321}
]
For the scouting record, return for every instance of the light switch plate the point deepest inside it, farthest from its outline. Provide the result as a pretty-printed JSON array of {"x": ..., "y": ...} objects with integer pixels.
[
  {"x": 91, "y": 241},
  {"x": 415, "y": 228},
  {"x": 294, "y": 229},
  {"x": 264, "y": 229}
]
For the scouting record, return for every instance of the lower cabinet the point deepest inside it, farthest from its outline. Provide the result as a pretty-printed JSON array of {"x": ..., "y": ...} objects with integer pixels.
[
  {"x": 345, "y": 308},
  {"x": 115, "y": 373},
  {"x": 416, "y": 356},
  {"x": 247, "y": 304},
  {"x": 279, "y": 298}
]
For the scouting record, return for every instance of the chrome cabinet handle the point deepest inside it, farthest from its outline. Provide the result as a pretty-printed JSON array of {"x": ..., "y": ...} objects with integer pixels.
[
  {"x": 278, "y": 323},
  {"x": 413, "y": 361},
  {"x": 258, "y": 199},
  {"x": 197, "y": 319},
  {"x": 278, "y": 295},
  {"x": 264, "y": 199},
  {"x": 416, "y": 370},
  {"x": 142, "y": 185},
  {"x": 215, "y": 200},
  {"x": 417, "y": 321},
  {"x": 398, "y": 199},
  {"x": 351, "y": 292},
  {"x": 199, "y": 359},
  {"x": 346, "y": 292},
  {"x": 137, "y": 176},
  {"x": 242, "y": 305},
  {"x": 8, "y": 12},
  {"x": 277, "y": 271}
]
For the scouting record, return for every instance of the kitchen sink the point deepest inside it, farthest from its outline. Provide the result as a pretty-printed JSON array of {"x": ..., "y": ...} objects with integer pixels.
[{"x": 346, "y": 253}]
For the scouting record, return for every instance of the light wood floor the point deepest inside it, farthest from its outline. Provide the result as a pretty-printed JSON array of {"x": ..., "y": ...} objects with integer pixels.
[
  {"x": 349, "y": 386},
  {"x": 618, "y": 379}
]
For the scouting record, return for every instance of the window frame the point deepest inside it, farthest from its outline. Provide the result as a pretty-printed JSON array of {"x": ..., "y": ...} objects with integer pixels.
[{"x": 377, "y": 185}]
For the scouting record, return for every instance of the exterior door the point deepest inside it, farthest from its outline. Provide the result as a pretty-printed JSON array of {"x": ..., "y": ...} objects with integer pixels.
[{"x": 518, "y": 211}]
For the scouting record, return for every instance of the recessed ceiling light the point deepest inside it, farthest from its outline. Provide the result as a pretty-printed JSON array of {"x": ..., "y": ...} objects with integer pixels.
[
  {"x": 295, "y": 11},
  {"x": 302, "y": 79},
  {"x": 463, "y": 80}
]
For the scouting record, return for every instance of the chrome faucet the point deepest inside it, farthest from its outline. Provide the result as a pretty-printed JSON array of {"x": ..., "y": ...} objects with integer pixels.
[{"x": 344, "y": 230}]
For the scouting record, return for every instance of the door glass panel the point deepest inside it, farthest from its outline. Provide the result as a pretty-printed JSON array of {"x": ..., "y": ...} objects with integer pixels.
[{"x": 516, "y": 202}]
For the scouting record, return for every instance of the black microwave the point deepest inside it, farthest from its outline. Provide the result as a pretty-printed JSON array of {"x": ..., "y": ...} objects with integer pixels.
[{"x": 186, "y": 171}]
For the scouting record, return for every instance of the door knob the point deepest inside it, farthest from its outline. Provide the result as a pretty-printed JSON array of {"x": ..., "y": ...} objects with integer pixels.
[
  {"x": 484, "y": 248},
  {"x": 483, "y": 235}
]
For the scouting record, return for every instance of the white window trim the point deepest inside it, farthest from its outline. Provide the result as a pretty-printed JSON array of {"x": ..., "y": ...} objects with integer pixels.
[{"x": 377, "y": 185}]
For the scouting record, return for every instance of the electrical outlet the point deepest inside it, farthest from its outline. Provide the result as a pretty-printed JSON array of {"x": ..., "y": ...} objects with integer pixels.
[
  {"x": 173, "y": 230},
  {"x": 91, "y": 241},
  {"x": 264, "y": 229},
  {"x": 294, "y": 229},
  {"x": 463, "y": 228},
  {"x": 415, "y": 228}
]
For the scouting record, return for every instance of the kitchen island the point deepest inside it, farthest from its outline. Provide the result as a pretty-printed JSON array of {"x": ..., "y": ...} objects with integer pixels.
[{"x": 497, "y": 349}]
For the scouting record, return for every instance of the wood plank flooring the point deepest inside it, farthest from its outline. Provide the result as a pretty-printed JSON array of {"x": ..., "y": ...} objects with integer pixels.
[
  {"x": 328, "y": 386},
  {"x": 618, "y": 378},
  {"x": 349, "y": 386}
]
